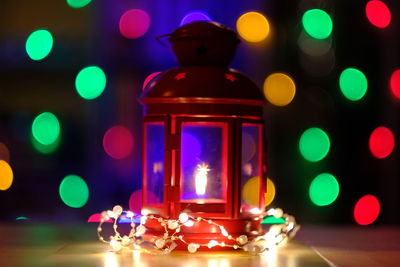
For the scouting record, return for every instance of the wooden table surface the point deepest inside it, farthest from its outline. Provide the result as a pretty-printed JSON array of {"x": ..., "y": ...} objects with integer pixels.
[{"x": 49, "y": 245}]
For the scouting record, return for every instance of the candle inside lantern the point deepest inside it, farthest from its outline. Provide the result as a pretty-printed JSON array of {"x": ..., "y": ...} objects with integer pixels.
[{"x": 201, "y": 179}]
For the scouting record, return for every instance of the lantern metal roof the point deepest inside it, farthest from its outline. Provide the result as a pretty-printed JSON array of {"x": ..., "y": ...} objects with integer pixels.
[{"x": 203, "y": 49}]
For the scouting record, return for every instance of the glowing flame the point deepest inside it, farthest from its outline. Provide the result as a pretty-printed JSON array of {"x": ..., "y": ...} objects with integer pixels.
[{"x": 201, "y": 178}]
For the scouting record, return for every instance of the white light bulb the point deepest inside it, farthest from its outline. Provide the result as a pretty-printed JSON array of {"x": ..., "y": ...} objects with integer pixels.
[
  {"x": 183, "y": 217},
  {"x": 192, "y": 247}
]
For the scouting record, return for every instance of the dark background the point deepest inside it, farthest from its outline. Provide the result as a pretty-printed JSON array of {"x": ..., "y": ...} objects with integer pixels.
[{"x": 90, "y": 36}]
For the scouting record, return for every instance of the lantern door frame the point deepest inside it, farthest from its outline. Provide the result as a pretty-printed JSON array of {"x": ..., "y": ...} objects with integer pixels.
[
  {"x": 227, "y": 159},
  {"x": 161, "y": 208},
  {"x": 262, "y": 168}
]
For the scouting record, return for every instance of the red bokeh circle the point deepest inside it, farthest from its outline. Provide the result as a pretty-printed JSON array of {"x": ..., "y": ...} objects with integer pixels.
[
  {"x": 118, "y": 142},
  {"x": 366, "y": 210},
  {"x": 134, "y": 23}
]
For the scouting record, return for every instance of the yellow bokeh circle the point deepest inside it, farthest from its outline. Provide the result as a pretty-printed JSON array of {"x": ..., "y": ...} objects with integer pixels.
[
  {"x": 270, "y": 194},
  {"x": 279, "y": 89},
  {"x": 6, "y": 175},
  {"x": 251, "y": 189},
  {"x": 252, "y": 27}
]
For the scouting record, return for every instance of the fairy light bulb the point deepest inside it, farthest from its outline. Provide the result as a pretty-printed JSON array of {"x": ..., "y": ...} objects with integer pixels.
[
  {"x": 140, "y": 230},
  {"x": 172, "y": 224},
  {"x": 278, "y": 235},
  {"x": 189, "y": 223},
  {"x": 212, "y": 243},
  {"x": 115, "y": 245},
  {"x": 117, "y": 210},
  {"x": 192, "y": 247},
  {"x": 242, "y": 239},
  {"x": 183, "y": 217},
  {"x": 160, "y": 243}
]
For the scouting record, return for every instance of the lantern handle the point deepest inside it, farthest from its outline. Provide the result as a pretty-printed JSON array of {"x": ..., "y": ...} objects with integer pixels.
[{"x": 161, "y": 39}]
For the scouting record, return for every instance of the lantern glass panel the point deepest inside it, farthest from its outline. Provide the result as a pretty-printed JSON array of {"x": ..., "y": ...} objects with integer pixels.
[
  {"x": 154, "y": 164},
  {"x": 203, "y": 162},
  {"x": 251, "y": 168}
]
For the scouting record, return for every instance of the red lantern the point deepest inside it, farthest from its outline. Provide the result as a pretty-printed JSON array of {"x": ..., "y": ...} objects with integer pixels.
[{"x": 203, "y": 139}]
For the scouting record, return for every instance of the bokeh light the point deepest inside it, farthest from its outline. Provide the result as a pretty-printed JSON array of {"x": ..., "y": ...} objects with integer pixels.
[
  {"x": 46, "y": 128},
  {"x": 6, "y": 175},
  {"x": 378, "y": 13},
  {"x": 314, "y": 144},
  {"x": 253, "y": 27},
  {"x": 74, "y": 191},
  {"x": 46, "y": 149},
  {"x": 395, "y": 83},
  {"x": 270, "y": 194},
  {"x": 90, "y": 82},
  {"x": 149, "y": 78},
  {"x": 314, "y": 47},
  {"x": 250, "y": 191},
  {"x": 134, "y": 23},
  {"x": 273, "y": 220},
  {"x": 381, "y": 142},
  {"x": 22, "y": 218},
  {"x": 317, "y": 23},
  {"x": 4, "y": 152},
  {"x": 252, "y": 186},
  {"x": 279, "y": 89},
  {"x": 39, "y": 44},
  {"x": 353, "y": 84},
  {"x": 118, "y": 142},
  {"x": 324, "y": 189},
  {"x": 366, "y": 210},
  {"x": 78, "y": 3},
  {"x": 195, "y": 16},
  {"x": 97, "y": 217}
]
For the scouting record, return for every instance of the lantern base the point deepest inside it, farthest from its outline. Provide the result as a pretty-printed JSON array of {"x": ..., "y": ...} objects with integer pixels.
[{"x": 203, "y": 231}]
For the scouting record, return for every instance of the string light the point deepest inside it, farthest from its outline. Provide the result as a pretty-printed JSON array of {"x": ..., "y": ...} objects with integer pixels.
[{"x": 277, "y": 236}]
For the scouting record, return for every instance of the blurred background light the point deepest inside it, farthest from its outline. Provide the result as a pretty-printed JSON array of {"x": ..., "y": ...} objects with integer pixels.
[
  {"x": 78, "y": 3},
  {"x": 381, "y": 142},
  {"x": 314, "y": 47},
  {"x": 74, "y": 191},
  {"x": 395, "y": 83},
  {"x": 97, "y": 217},
  {"x": 46, "y": 149},
  {"x": 378, "y": 13},
  {"x": 46, "y": 128},
  {"x": 253, "y": 27},
  {"x": 270, "y": 194},
  {"x": 90, "y": 82},
  {"x": 195, "y": 16},
  {"x": 318, "y": 66},
  {"x": 366, "y": 210},
  {"x": 149, "y": 78},
  {"x": 279, "y": 89},
  {"x": 134, "y": 23},
  {"x": 353, "y": 84},
  {"x": 118, "y": 142},
  {"x": 252, "y": 186},
  {"x": 314, "y": 144},
  {"x": 4, "y": 152},
  {"x": 317, "y": 23},
  {"x": 273, "y": 220},
  {"x": 39, "y": 44},
  {"x": 21, "y": 218},
  {"x": 6, "y": 175},
  {"x": 324, "y": 189}
]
